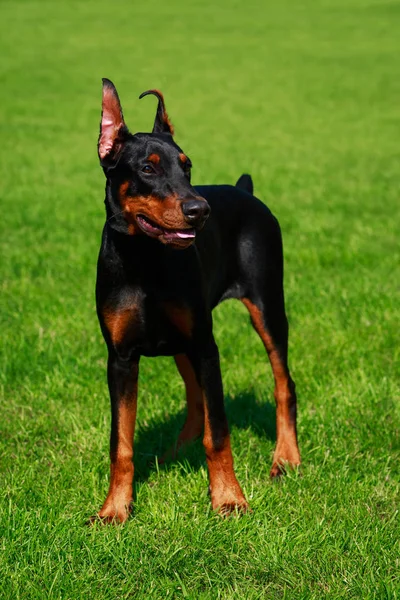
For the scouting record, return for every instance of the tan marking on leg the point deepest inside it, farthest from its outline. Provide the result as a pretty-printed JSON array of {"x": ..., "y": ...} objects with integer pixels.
[
  {"x": 287, "y": 450},
  {"x": 194, "y": 424},
  {"x": 117, "y": 322},
  {"x": 226, "y": 493},
  {"x": 117, "y": 505}
]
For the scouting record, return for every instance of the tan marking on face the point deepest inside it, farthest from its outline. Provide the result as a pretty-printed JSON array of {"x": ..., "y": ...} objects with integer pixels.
[
  {"x": 154, "y": 158},
  {"x": 165, "y": 212},
  {"x": 182, "y": 157},
  {"x": 123, "y": 193},
  {"x": 181, "y": 317}
]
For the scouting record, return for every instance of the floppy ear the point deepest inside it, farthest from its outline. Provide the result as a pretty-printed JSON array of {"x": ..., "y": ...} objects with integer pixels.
[
  {"x": 112, "y": 126},
  {"x": 162, "y": 124}
]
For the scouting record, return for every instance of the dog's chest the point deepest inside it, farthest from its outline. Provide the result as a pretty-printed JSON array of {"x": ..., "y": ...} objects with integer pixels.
[{"x": 149, "y": 326}]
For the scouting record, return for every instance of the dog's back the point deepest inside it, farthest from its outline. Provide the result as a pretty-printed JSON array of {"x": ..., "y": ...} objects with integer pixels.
[{"x": 240, "y": 242}]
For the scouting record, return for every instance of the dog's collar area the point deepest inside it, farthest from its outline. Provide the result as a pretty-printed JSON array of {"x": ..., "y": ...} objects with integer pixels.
[{"x": 154, "y": 230}]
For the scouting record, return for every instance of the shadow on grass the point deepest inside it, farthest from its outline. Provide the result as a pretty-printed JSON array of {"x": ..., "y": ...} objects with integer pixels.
[{"x": 153, "y": 440}]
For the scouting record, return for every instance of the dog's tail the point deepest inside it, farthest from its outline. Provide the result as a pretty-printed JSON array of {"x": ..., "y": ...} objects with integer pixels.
[{"x": 245, "y": 183}]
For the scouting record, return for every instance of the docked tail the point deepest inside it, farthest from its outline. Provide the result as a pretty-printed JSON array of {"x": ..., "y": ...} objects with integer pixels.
[{"x": 245, "y": 182}]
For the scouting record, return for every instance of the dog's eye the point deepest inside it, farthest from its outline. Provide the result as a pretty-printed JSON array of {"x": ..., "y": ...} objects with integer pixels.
[
  {"x": 147, "y": 169},
  {"x": 186, "y": 168}
]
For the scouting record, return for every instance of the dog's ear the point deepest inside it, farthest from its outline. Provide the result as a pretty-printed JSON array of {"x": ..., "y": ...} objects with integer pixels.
[
  {"x": 112, "y": 126},
  {"x": 162, "y": 124}
]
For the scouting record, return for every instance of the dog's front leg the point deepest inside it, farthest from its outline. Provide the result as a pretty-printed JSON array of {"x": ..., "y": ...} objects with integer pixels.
[
  {"x": 226, "y": 494},
  {"x": 122, "y": 382}
]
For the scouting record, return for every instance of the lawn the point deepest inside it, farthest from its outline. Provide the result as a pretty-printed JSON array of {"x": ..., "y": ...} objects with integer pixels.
[{"x": 305, "y": 97}]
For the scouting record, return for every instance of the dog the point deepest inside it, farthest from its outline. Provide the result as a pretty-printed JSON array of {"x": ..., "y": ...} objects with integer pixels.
[{"x": 170, "y": 253}]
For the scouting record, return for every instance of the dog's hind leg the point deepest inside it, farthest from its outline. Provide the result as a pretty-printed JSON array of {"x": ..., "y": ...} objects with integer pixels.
[
  {"x": 269, "y": 320},
  {"x": 194, "y": 424}
]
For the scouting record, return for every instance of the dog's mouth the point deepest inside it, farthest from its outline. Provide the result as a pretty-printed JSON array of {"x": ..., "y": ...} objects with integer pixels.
[{"x": 168, "y": 236}]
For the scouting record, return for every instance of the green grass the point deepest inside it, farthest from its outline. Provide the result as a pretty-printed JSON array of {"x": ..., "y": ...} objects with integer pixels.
[{"x": 304, "y": 96}]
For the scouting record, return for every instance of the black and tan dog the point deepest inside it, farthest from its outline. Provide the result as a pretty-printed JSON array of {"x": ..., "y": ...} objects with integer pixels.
[{"x": 170, "y": 253}]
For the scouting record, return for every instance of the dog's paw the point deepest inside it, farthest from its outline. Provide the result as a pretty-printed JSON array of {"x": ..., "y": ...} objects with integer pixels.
[
  {"x": 229, "y": 501},
  {"x": 277, "y": 470},
  {"x": 97, "y": 519},
  {"x": 233, "y": 509},
  {"x": 286, "y": 457},
  {"x": 111, "y": 513},
  {"x": 281, "y": 468}
]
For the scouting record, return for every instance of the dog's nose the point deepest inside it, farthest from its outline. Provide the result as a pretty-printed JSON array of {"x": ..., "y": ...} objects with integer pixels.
[{"x": 195, "y": 210}]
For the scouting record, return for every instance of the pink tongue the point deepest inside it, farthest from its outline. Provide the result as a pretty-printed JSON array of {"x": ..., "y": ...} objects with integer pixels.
[{"x": 183, "y": 235}]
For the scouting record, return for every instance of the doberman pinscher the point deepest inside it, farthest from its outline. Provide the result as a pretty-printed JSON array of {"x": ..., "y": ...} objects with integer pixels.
[{"x": 170, "y": 253}]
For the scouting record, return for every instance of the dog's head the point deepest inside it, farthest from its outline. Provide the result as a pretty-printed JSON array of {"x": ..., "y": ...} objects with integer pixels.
[{"x": 148, "y": 177}]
